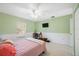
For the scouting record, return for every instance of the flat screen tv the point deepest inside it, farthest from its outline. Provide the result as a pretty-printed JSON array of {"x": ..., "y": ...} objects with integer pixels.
[{"x": 45, "y": 25}]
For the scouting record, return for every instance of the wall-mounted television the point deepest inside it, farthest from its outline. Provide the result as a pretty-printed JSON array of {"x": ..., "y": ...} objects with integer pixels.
[{"x": 45, "y": 25}]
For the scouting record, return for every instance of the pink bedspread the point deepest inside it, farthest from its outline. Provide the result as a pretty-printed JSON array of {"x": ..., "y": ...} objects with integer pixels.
[{"x": 29, "y": 48}]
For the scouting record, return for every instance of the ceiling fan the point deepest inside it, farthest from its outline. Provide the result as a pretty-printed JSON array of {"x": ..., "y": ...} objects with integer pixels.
[{"x": 35, "y": 10}]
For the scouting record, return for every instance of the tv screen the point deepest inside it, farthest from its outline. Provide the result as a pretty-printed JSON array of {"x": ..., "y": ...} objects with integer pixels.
[{"x": 44, "y": 25}]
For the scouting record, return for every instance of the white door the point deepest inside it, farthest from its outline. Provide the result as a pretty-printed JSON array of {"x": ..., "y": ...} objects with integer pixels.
[{"x": 77, "y": 32}]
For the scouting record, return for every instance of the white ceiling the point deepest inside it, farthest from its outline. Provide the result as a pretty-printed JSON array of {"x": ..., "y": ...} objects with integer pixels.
[{"x": 37, "y": 11}]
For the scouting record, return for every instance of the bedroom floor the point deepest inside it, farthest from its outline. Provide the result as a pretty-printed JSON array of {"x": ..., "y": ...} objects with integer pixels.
[{"x": 54, "y": 49}]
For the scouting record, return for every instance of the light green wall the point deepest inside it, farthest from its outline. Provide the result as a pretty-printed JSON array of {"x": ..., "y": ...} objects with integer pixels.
[
  {"x": 30, "y": 26},
  {"x": 57, "y": 25},
  {"x": 8, "y": 24}
]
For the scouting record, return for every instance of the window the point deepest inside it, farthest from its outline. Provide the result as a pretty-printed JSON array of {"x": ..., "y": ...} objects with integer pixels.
[
  {"x": 45, "y": 25},
  {"x": 21, "y": 28}
]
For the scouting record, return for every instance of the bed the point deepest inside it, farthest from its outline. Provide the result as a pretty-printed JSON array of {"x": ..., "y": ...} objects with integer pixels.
[{"x": 29, "y": 47}]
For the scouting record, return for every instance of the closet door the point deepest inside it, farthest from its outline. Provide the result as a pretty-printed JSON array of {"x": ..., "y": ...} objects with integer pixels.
[{"x": 77, "y": 32}]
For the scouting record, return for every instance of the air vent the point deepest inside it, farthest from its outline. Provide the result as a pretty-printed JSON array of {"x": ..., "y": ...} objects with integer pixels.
[{"x": 52, "y": 16}]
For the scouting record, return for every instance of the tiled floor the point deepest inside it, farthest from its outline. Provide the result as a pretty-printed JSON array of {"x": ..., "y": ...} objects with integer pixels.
[{"x": 54, "y": 49}]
